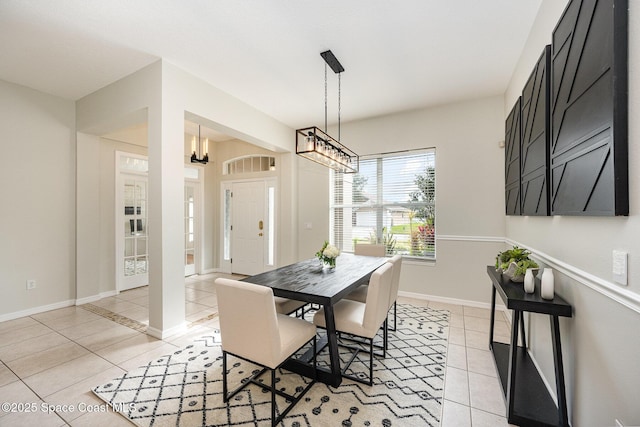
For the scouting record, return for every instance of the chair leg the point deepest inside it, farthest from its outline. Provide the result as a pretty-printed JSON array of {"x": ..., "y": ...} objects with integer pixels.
[
  {"x": 385, "y": 338},
  {"x": 273, "y": 397},
  {"x": 371, "y": 361},
  {"x": 395, "y": 317},
  {"x": 224, "y": 377}
]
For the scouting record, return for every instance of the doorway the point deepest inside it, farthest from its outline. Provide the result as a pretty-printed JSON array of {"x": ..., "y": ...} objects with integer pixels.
[
  {"x": 249, "y": 226},
  {"x": 132, "y": 267}
]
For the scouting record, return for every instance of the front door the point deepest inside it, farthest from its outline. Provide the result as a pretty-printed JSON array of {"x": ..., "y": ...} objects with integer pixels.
[{"x": 248, "y": 227}]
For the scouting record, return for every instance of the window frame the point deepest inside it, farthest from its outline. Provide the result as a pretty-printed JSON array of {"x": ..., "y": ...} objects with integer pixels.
[{"x": 422, "y": 247}]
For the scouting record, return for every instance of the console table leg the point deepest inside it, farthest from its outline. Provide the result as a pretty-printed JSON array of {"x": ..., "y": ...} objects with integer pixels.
[
  {"x": 524, "y": 337},
  {"x": 557, "y": 360},
  {"x": 511, "y": 382},
  {"x": 493, "y": 316}
]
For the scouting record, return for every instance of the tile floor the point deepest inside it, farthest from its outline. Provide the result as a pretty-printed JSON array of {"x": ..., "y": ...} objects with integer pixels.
[{"x": 55, "y": 358}]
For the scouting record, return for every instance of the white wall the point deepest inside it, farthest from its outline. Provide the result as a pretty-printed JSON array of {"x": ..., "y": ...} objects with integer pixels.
[
  {"x": 469, "y": 215},
  {"x": 601, "y": 342},
  {"x": 312, "y": 187},
  {"x": 37, "y": 213}
]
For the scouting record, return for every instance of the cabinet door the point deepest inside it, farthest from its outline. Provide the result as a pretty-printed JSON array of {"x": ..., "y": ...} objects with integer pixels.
[{"x": 512, "y": 161}]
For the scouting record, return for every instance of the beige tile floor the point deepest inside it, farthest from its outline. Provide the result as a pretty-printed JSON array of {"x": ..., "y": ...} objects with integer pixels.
[{"x": 53, "y": 359}]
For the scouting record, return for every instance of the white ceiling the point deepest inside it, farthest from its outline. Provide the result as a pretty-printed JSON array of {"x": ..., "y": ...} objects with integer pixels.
[{"x": 398, "y": 55}]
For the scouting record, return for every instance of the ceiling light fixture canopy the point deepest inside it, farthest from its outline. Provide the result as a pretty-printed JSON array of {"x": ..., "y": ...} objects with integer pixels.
[
  {"x": 315, "y": 144},
  {"x": 201, "y": 148}
]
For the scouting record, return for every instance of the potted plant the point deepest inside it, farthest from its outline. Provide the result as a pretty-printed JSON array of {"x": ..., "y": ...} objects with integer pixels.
[{"x": 513, "y": 263}]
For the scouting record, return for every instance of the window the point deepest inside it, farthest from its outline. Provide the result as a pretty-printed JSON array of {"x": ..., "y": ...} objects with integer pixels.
[
  {"x": 390, "y": 201},
  {"x": 249, "y": 164}
]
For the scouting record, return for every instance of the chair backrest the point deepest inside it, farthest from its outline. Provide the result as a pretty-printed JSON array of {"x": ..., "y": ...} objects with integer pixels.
[
  {"x": 377, "y": 304},
  {"x": 395, "y": 278},
  {"x": 248, "y": 320},
  {"x": 370, "y": 250}
]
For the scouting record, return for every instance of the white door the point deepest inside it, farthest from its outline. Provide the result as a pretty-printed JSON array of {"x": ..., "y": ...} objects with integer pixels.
[
  {"x": 248, "y": 227},
  {"x": 134, "y": 257},
  {"x": 190, "y": 226}
]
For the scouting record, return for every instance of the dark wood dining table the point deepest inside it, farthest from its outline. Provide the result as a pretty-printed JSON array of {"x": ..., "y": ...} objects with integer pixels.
[{"x": 310, "y": 282}]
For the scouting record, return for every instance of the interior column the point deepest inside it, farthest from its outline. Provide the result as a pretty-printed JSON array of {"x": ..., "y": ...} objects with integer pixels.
[{"x": 166, "y": 221}]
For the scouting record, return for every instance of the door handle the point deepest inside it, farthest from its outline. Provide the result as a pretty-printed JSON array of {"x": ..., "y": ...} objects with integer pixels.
[{"x": 260, "y": 226}]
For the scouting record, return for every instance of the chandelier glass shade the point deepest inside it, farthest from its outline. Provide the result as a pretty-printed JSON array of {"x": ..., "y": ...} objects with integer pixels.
[{"x": 319, "y": 147}]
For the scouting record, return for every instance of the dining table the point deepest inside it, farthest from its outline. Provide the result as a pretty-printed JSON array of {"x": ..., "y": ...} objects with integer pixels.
[{"x": 312, "y": 282}]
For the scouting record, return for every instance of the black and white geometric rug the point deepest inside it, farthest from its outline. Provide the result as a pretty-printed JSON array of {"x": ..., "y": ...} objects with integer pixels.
[{"x": 185, "y": 388}]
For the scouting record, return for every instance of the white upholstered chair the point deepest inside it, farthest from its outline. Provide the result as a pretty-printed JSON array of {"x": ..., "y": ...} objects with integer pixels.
[
  {"x": 396, "y": 260},
  {"x": 360, "y": 293},
  {"x": 370, "y": 250},
  {"x": 288, "y": 306},
  {"x": 363, "y": 319},
  {"x": 252, "y": 330}
]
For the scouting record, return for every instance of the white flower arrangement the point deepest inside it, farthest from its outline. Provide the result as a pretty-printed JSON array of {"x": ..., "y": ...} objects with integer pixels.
[{"x": 328, "y": 254}]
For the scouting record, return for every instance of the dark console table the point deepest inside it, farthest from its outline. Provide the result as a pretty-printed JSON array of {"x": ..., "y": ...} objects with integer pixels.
[{"x": 528, "y": 400}]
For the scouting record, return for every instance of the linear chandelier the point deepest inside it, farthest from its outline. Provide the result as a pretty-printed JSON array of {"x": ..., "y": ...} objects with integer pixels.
[
  {"x": 315, "y": 144},
  {"x": 200, "y": 148}
]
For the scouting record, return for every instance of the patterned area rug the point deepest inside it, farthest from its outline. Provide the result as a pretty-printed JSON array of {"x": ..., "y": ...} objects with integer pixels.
[{"x": 185, "y": 388}]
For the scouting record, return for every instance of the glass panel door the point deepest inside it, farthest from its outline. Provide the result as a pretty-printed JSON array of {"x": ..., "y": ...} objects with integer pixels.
[
  {"x": 135, "y": 256},
  {"x": 189, "y": 229}
]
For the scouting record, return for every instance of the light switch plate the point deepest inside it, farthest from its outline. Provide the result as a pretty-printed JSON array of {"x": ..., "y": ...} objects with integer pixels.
[{"x": 620, "y": 267}]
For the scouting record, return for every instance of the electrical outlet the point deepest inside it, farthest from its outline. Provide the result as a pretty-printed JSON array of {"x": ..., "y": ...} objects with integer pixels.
[{"x": 31, "y": 284}]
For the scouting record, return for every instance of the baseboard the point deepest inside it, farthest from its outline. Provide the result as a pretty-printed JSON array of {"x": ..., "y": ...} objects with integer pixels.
[
  {"x": 165, "y": 333},
  {"x": 93, "y": 298},
  {"x": 87, "y": 300},
  {"x": 453, "y": 301},
  {"x": 36, "y": 310}
]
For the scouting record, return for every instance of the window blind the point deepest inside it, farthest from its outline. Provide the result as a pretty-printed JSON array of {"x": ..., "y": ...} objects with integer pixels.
[{"x": 390, "y": 201}]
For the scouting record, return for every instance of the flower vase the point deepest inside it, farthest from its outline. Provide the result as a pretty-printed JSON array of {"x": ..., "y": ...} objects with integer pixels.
[
  {"x": 529, "y": 281},
  {"x": 547, "y": 284}
]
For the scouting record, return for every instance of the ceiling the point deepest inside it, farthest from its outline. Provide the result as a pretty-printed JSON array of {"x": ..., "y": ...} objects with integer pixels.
[{"x": 397, "y": 55}]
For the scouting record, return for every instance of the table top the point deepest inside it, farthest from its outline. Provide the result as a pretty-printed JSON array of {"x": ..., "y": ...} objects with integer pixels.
[
  {"x": 515, "y": 298},
  {"x": 308, "y": 281}
]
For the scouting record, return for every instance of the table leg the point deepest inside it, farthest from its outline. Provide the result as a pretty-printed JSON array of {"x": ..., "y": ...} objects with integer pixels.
[
  {"x": 493, "y": 316},
  {"x": 511, "y": 381},
  {"x": 557, "y": 361},
  {"x": 332, "y": 338}
]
